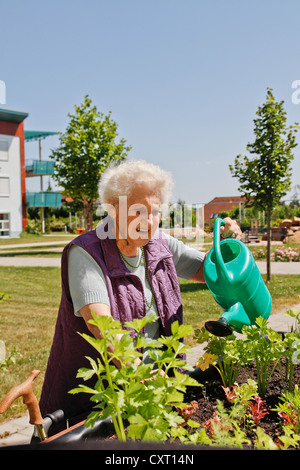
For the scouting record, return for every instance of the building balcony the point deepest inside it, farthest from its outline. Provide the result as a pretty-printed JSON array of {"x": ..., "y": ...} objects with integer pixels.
[
  {"x": 39, "y": 168},
  {"x": 43, "y": 199}
]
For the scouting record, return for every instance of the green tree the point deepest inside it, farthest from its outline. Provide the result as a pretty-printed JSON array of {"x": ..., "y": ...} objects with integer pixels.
[
  {"x": 266, "y": 177},
  {"x": 86, "y": 148}
]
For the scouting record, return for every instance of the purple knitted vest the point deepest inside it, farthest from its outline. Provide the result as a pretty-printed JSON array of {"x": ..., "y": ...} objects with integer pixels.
[{"x": 127, "y": 301}]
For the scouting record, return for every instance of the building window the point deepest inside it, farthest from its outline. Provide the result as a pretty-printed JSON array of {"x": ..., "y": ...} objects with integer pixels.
[
  {"x": 4, "y": 150},
  {"x": 4, "y": 225},
  {"x": 4, "y": 186}
]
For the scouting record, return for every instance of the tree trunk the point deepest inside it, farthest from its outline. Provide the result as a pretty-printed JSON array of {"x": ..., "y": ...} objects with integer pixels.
[
  {"x": 88, "y": 214},
  {"x": 268, "y": 244}
]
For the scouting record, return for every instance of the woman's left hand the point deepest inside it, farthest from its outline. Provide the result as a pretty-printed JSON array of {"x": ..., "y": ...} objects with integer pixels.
[{"x": 231, "y": 229}]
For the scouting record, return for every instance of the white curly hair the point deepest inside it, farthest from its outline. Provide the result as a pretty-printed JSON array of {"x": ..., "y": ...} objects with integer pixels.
[{"x": 120, "y": 180}]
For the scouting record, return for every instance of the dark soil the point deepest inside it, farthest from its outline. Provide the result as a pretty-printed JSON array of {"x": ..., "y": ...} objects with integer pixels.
[
  {"x": 212, "y": 391},
  {"x": 207, "y": 396}
]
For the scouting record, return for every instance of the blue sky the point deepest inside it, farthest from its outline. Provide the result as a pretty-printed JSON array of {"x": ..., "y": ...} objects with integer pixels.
[{"x": 182, "y": 78}]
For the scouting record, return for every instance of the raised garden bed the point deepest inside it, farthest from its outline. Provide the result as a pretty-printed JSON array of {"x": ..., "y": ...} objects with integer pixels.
[
  {"x": 248, "y": 397},
  {"x": 271, "y": 423}
]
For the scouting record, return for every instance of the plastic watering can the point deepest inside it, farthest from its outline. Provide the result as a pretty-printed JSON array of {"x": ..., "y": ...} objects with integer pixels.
[{"x": 235, "y": 281}]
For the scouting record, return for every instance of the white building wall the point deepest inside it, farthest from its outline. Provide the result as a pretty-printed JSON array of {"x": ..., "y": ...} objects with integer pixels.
[{"x": 10, "y": 184}]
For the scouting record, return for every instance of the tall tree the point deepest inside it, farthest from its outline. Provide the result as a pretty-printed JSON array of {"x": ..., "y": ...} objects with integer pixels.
[
  {"x": 86, "y": 148},
  {"x": 266, "y": 177}
]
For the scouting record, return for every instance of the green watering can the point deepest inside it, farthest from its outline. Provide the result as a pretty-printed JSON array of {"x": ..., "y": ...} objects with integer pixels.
[{"x": 233, "y": 278}]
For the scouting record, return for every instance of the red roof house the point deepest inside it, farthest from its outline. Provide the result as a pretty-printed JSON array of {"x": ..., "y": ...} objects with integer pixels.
[{"x": 219, "y": 204}]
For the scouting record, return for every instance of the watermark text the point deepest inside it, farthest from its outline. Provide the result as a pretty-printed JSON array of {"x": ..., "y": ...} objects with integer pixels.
[
  {"x": 138, "y": 221},
  {"x": 296, "y": 93},
  {"x": 2, "y": 92}
]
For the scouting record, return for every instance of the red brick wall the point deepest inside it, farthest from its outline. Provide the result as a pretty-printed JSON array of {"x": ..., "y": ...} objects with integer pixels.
[{"x": 219, "y": 204}]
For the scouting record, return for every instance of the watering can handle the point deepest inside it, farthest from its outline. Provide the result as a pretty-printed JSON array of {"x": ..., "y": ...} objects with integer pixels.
[
  {"x": 220, "y": 265},
  {"x": 24, "y": 390}
]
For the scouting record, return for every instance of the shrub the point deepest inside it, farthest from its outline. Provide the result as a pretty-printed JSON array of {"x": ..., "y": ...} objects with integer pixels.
[{"x": 285, "y": 254}]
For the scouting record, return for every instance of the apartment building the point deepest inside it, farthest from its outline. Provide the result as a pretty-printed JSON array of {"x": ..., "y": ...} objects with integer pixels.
[
  {"x": 12, "y": 173},
  {"x": 14, "y": 169}
]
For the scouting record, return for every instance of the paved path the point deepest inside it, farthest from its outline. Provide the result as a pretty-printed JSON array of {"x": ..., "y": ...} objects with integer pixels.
[
  {"x": 9, "y": 247},
  {"x": 276, "y": 268},
  {"x": 33, "y": 261},
  {"x": 279, "y": 267}
]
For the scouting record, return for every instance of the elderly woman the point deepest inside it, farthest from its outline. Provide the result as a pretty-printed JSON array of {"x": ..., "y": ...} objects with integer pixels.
[{"x": 125, "y": 268}]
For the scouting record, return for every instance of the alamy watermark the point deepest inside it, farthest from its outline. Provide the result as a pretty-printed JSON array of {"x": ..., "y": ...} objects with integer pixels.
[
  {"x": 296, "y": 353},
  {"x": 296, "y": 93},
  {"x": 139, "y": 222},
  {"x": 2, "y": 92}
]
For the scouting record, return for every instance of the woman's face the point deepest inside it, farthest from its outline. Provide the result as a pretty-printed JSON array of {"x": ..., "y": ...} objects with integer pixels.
[{"x": 138, "y": 216}]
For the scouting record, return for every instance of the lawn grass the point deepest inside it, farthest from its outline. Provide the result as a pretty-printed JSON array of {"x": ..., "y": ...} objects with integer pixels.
[
  {"x": 35, "y": 239},
  {"x": 27, "y": 321},
  {"x": 28, "y": 316}
]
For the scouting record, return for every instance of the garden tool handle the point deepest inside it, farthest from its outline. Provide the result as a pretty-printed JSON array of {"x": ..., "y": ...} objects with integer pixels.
[{"x": 25, "y": 390}]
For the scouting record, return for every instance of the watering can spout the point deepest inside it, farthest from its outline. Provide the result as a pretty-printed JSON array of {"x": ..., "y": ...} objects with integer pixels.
[
  {"x": 233, "y": 319},
  {"x": 219, "y": 327}
]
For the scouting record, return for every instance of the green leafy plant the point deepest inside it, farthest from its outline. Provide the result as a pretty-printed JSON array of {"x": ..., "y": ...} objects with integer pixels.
[
  {"x": 289, "y": 412},
  {"x": 225, "y": 354},
  {"x": 289, "y": 409},
  {"x": 223, "y": 429},
  {"x": 12, "y": 356},
  {"x": 3, "y": 296},
  {"x": 188, "y": 410},
  {"x": 228, "y": 426},
  {"x": 260, "y": 345},
  {"x": 134, "y": 393},
  {"x": 265, "y": 347},
  {"x": 294, "y": 313},
  {"x": 288, "y": 439},
  {"x": 292, "y": 357},
  {"x": 183, "y": 431},
  {"x": 264, "y": 441},
  {"x": 245, "y": 395},
  {"x": 241, "y": 393},
  {"x": 146, "y": 401}
]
